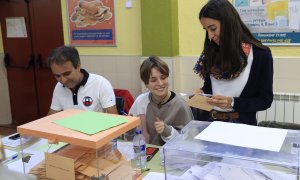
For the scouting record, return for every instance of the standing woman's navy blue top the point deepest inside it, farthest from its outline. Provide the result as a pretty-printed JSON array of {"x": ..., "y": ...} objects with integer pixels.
[{"x": 257, "y": 95}]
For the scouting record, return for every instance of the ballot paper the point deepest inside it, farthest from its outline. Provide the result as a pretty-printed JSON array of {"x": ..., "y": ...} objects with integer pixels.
[
  {"x": 243, "y": 135},
  {"x": 83, "y": 162},
  {"x": 217, "y": 171},
  {"x": 199, "y": 101}
]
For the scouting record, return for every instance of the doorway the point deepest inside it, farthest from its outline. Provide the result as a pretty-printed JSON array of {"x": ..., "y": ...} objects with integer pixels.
[{"x": 30, "y": 30}]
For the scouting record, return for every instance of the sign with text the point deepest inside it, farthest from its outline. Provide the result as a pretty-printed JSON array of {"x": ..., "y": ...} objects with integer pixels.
[
  {"x": 91, "y": 22},
  {"x": 273, "y": 22}
]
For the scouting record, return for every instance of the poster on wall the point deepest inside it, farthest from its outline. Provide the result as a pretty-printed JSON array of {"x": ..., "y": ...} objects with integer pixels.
[
  {"x": 273, "y": 22},
  {"x": 91, "y": 22}
]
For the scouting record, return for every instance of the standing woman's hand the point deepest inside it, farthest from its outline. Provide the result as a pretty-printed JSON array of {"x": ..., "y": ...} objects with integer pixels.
[
  {"x": 220, "y": 101},
  {"x": 197, "y": 91}
]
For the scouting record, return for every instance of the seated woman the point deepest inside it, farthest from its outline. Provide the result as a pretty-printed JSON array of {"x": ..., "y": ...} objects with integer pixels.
[{"x": 162, "y": 112}]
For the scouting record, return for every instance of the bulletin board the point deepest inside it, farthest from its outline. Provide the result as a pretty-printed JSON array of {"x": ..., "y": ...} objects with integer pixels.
[
  {"x": 91, "y": 22},
  {"x": 273, "y": 22}
]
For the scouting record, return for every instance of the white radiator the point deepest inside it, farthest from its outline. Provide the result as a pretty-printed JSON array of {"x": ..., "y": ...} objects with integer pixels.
[{"x": 285, "y": 108}]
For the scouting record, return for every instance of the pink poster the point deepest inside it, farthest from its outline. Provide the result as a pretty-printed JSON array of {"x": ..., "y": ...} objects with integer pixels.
[{"x": 91, "y": 22}]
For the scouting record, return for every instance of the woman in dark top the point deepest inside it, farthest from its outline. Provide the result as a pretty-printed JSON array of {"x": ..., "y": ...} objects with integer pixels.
[{"x": 237, "y": 68}]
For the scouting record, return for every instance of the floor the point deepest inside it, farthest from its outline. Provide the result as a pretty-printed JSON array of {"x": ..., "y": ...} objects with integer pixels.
[{"x": 7, "y": 130}]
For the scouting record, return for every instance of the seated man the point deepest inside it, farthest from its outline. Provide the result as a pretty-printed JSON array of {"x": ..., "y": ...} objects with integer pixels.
[
  {"x": 76, "y": 88},
  {"x": 163, "y": 113}
]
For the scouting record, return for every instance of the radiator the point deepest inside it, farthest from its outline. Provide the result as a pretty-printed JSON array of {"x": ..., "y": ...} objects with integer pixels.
[{"x": 285, "y": 108}]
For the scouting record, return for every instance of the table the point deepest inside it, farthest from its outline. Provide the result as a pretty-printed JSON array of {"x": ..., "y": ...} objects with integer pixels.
[{"x": 154, "y": 164}]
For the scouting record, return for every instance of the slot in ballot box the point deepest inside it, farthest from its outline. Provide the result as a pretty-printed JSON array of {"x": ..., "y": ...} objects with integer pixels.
[
  {"x": 187, "y": 157},
  {"x": 86, "y": 153}
]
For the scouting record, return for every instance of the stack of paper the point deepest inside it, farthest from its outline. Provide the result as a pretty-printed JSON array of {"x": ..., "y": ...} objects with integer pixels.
[{"x": 76, "y": 162}]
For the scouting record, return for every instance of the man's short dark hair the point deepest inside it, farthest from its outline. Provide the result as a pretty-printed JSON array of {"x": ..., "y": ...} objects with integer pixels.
[{"x": 63, "y": 54}]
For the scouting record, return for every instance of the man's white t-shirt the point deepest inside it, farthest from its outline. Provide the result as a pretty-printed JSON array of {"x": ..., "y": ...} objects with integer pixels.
[{"x": 93, "y": 95}]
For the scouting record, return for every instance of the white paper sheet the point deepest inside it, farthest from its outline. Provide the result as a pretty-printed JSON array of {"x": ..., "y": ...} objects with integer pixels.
[
  {"x": 154, "y": 175},
  {"x": 244, "y": 135},
  {"x": 16, "y": 27}
]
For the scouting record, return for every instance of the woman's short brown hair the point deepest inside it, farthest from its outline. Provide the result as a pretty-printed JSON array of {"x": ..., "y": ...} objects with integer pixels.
[{"x": 149, "y": 64}]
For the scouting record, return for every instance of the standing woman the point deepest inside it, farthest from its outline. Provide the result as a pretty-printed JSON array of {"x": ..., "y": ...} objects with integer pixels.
[
  {"x": 237, "y": 68},
  {"x": 163, "y": 113}
]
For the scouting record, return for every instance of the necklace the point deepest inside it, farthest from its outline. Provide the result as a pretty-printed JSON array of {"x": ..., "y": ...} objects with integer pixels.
[{"x": 163, "y": 100}]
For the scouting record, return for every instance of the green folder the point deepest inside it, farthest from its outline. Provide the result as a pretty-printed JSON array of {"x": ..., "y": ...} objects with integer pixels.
[{"x": 91, "y": 122}]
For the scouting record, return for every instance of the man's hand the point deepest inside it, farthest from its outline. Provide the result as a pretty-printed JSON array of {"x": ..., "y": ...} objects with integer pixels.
[
  {"x": 111, "y": 110},
  {"x": 51, "y": 111}
]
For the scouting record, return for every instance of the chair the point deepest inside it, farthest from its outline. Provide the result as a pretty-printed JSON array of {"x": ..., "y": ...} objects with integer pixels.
[
  {"x": 127, "y": 97},
  {"x": 120, "y": 105}
]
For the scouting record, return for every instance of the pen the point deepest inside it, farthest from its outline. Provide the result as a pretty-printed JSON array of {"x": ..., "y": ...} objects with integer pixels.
[
  {"x": 207, "y": 95},
  {"x": 10, "y": 159},
  {"x": 203, "y": 94},
  {"x": 14, "y": 157},
  {"x": 144, "y": 170}
]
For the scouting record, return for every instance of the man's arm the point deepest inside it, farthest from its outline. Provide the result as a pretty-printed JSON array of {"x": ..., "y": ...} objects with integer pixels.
[
  {"x": 111, "y": 110},
  {"x": 51, "y": 111}
]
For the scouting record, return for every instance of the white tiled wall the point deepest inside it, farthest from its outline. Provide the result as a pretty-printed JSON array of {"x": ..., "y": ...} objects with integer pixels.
[
  {"x": 286, "y": 75},
  {"x": 123, "y": 73},
  {"x": 187, "y": 79}
]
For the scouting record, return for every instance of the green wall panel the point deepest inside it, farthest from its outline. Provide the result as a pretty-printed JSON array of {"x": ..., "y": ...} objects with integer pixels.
[{"x": 160, "y": 27}]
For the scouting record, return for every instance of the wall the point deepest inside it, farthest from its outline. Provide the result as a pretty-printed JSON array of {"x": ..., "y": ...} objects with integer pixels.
[
  {"x": 128, "y": 31},
  {"x": 160, "y": 28},
  {"x": 120, "y": 64}
]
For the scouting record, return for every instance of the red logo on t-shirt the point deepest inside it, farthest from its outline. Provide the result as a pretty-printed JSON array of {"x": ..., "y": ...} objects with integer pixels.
[{"x": 87, "y": 101}]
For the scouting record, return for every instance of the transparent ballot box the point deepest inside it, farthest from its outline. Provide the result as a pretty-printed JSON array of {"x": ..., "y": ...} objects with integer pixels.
[
  {"x": 61, "y": 151},
  {"x": 187, "y": 157}
]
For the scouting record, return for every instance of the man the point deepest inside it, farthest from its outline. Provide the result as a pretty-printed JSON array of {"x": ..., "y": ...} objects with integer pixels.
[{"x": 76, "y": 88}]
